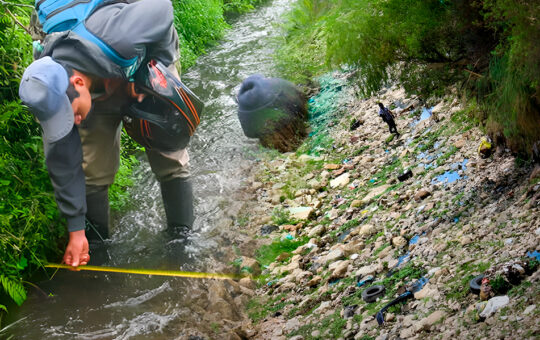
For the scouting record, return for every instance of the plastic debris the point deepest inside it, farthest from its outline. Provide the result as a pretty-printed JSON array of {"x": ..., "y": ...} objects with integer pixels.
[
  {"x": 368, "y": 279},
  {"x": 485, "y": 149},
  {"x": 415, "y": 287},
  {"x": 493, "y": 305}
]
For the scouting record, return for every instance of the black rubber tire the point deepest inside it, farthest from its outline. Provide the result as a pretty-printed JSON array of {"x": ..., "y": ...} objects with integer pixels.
[
  {"x": 475, "y": 284},
  {"x": 371, "y": 294}
]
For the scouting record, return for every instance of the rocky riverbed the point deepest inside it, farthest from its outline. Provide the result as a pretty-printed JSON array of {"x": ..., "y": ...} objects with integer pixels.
[{"x": 419, "y": 215}]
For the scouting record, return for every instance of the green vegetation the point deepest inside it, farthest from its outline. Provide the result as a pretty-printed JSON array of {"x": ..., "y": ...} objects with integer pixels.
[
  {"x": 259, "y": 308},
  {"x": 489, "y": 49},
  {"x": 330, "y": 328},
  {"x": 281, "y": 216},
  {"x": 32, "y": 230},
  {"x": 268, "y": 253}
]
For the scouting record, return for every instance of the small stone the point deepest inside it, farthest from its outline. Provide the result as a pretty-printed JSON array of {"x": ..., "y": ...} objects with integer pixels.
[
  {"x": 340, "y": 181},
  {"x": 367, "y": 230},
  {"x": 331, "y": 166},
  {"x": 314, "y": 281},
  {"x": 427, "y": 291},
  {"x": 356, "y": 204},
  {"x": 459, "y": 143},
  {"x": 333, "y": 256},
  {"x": 399, "y": 242},
  {"x": 317, "y": 231},
  {"x": 529, "y": 310},
  {"x": 421, "y": 194},
  {"x": 375, "y": 192},
  {"x": 301, "y": 213},
  {"x": 465, "y": 240},
  {"x": 340, "y": 270}
]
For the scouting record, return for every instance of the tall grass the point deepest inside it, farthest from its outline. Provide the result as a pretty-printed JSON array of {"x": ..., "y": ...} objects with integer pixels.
[{"x": 427, "y": 46}]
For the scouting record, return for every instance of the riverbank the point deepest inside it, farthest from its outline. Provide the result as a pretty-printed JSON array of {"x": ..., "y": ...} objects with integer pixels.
[{"x": 370, "y": 209}]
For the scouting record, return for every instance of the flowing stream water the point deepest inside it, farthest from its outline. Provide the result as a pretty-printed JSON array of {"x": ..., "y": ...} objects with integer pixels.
[{"x": 87, "y": 305}]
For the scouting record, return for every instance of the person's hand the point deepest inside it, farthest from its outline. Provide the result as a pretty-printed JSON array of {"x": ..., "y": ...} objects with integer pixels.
[
  {"x": 77, "y": 249},
  {"x": 132, "y": 93}
]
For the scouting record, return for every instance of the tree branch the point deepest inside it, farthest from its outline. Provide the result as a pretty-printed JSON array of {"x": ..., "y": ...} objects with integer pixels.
[
  {"x": 16, "y": 21},
  {"x": 5, "y": 3}
]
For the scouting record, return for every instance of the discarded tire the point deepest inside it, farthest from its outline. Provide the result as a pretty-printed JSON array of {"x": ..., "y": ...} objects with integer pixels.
[
  {"x": 475, "y": 284},
  {"x": 372, "y": 293},
  {"x": 405, "y": 176}
]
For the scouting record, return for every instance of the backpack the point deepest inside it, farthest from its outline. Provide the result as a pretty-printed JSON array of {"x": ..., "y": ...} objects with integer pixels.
[{"x": 69, "y": 15}]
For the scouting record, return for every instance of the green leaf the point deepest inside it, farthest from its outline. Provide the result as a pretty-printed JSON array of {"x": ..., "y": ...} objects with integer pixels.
[
  {"x": 14, "y": 289},
  {"x": 23, "y": 262}
]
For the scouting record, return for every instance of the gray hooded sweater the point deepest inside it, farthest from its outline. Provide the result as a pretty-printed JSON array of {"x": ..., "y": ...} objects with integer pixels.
[{"x": 141, "y": 28}]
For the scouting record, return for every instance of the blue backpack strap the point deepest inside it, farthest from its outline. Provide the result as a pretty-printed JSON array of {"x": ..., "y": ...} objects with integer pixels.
[
  {"x": 111, "y": 54},
  {"x": 70, "y": 15}
]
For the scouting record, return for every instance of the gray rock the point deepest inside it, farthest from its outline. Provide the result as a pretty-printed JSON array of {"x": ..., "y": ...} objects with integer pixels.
[{"x": 317, "y": 231}]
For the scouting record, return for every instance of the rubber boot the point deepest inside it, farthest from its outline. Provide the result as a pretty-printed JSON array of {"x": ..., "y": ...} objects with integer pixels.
[
  {"x": 97, "y": 214},
  {"x": 178, "y": 202}
]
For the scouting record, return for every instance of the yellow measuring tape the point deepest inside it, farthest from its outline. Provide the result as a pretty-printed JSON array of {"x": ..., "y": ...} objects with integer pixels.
[{"x": 176, "y": 273}]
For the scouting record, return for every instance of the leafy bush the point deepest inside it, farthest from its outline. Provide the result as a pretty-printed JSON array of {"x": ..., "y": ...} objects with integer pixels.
[
  {"x": 200, "y": 23},
  {"x": 488, "y": 47}
]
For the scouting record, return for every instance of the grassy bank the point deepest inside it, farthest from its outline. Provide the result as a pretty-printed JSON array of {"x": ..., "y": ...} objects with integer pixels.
[
  {"x": 32, "y": 230},
  {"x": 489, "y": 48}
]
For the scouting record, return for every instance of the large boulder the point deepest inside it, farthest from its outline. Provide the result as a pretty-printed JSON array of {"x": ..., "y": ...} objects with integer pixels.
[{"x": 274, "y": 111}]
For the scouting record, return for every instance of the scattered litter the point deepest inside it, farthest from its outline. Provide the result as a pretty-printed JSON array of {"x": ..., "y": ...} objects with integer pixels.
[
  {"x": 475, "y": 283},
  {"x": 484, "y": 149},
  {"x": 535, "y": 255},
  {"x": 372, "y": 293},
  {"x": 405, "y": 176},
  {"x": 415, "y": 287},
  {"x": 268, "y": 229},
  {"x": 493, "y": 305},
  {"x": 368, "y": 279}
]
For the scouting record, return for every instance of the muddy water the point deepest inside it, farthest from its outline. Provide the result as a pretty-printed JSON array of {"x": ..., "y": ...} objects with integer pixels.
[{"x": 85, "y": 305}]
